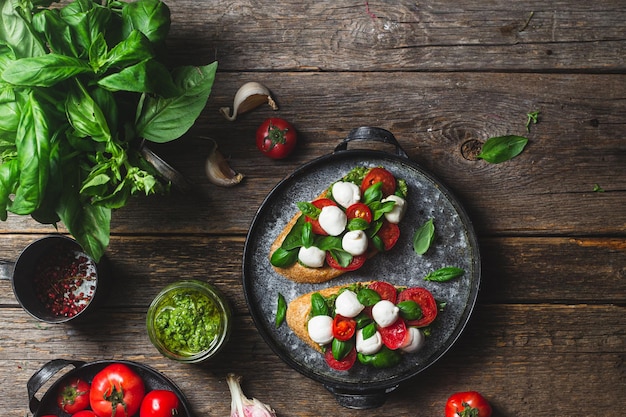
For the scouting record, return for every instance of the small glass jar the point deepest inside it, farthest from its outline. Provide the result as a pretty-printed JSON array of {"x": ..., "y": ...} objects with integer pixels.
[{"x": 189, "y": 321}]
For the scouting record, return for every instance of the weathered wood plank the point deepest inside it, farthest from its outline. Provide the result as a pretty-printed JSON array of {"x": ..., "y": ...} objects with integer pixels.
[
  {"x": 515, "y": 270},
  {"x": 548, "y": 190},
  {"x": 508, "y": 346},
  {"x": 380, "y": 35}
]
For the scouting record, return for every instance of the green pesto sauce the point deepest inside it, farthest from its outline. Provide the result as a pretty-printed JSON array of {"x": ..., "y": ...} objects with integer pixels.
[{"x": 188, "y": 322}]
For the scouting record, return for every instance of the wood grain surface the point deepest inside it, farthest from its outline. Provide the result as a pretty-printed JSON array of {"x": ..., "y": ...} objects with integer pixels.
[{"x": 548, "y": 334}]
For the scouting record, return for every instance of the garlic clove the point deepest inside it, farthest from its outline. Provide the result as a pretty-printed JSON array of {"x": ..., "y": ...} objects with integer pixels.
[
  {"x": 218, "y": 170},
  {"x": 249, "y": 96},
  {"x": 241, "y": 406}
]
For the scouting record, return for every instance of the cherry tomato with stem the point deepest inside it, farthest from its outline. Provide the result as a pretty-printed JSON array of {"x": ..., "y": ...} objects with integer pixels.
[
  {"x": 276, "y": 138},
  {"x": 467, "y": 404},
  {"x": 159, "y": 403},
  {"x": 73, "y": 396}
]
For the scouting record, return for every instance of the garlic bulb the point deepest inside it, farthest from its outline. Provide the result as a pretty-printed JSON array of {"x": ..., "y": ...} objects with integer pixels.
[
  {"x": 249, "y": 96},
  {"x": 241, "y": 406},
  {"x": 218, "y": 170}
]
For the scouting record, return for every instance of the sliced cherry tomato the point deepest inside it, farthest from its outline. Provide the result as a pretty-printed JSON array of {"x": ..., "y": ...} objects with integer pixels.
[
  {"x": 356, "y": 263},
  {"x": 467, "y": 404},
  {"x": 73, "y": 396},
  {"x": 276, "y": 138},
  {"x": 116, "y": 391},
  {"x": 359, "y": 211},
  {"x": 425, "y": 300},
  {"x": 386, "y": 290},
  {"x": 315, "y": 224},
  {"x": 389, "y": 233},
  {"x": 376, "y": 175},
  {"x": 159, "y": 403},
  {"x": 342, "y": 365},
  {"x": 395, "y": 336},
  {"x": 343, "y": 328}
]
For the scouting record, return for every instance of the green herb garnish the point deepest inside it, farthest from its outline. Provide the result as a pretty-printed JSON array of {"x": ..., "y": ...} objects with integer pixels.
[{"x": 502, "y": 148}]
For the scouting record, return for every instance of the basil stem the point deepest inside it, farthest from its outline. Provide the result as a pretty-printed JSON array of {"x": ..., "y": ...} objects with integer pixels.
[{"x": 502, "y": 148}]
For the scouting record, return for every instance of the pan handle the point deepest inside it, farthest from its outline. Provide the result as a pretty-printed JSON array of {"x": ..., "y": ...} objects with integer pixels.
[
  {"x": 371, "y": 134},
  {"x": 42, "y": 376},
  {"x": 360, "y": 400}
]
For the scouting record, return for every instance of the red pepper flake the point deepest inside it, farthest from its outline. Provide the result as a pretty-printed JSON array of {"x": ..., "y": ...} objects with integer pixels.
[{"x": 65, "y": 282}]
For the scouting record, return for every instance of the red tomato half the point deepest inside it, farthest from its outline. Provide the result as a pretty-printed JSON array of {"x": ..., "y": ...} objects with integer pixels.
[
  {"x": 276, "y": 138},
  {"x": 389, "y": 233},
  {"x": 159, "y": 403},
  {"x": 385, "y": 290},
  {"x": 469, "y": 403},
  {"x": 394, "y": 336},
  {"x": 343, "y": 328},
  {"x": 319, "y": 203},
  {"x": 359, "y": 211},
  {"x": 117, "y": 391},
  {"x": 342, "y": 365},
  {"x": 425, "y": 300},
  {"x": 356, "y": 263},
  {"x": 376, "y": 175},
  {"x": 73, "y": 396}
]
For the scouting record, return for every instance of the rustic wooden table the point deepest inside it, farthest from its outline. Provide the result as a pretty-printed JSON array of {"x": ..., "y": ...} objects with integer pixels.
[{"x": 548, "y": 335}]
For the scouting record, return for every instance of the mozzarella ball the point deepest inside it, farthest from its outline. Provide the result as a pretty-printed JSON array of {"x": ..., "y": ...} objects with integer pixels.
[
  {"x": 346, "y": 193},
  {"x": 355, "y": 242},
  {"x": 347, "y": 304},
  {"x": 370, "y": 345},
  {"x": 416, "y": 342},
  {"x": 321, "y": 329},
  {"x": 399, "y": 208},
  {"x": 333, "y": 220},
  {"x": 385, "y": 313},
  {"x": 313, "y": 257}
]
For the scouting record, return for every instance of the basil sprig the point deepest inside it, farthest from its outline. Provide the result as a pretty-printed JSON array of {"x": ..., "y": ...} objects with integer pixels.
[{"x": 444, "y": 274}]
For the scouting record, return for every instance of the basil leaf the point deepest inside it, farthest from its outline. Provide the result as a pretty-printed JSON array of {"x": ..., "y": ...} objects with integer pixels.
[
  {"x": 373, "y": 193},
  {"x": 342, "y": 257},
  {"x": 328, "y": 242},
  {"x": 294, "y": 237},
  {"x": 281, "y": 310},
  {"x": 9, "y": 175},
  {"x": 283, "y": 258},
  {"x": 502, "y": 148},
  {"x": 56, "y": 31},
  {"x": 363, "y": 320},
  {"x": 16, "y": 33},
  {"x": 148, "y": 76},
  {"x": 307, "y": 235},
  {"x": 378, "y": 243},
  {"x": 318, "y": 305},
  {"x": 384, "y": 358},
  {"x": 368, "y": 297},
  {"x": 379, "y": 208},
  {"x": 369, "y": 330},
  {"x": 308, "y": 209},
  {"x": 341, "y": 349},
  {"x": 410, "y": 310},
  {"x": 85, "y": 115},
  {"x": 444, "y": 274},
  {"x": 150, "y": 17},
  {"x": 165, "y": 119},
  {"x": 424, "y": 237},
  {"x": 357, "y": 224},
  {"x": 44, "y": 71}
]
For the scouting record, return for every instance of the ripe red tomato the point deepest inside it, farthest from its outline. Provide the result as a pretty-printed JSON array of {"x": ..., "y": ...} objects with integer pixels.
[
  {"x": 85, "y": 413},
  {"x": 394, "y": 336},
  {"x": 73, "y": 396},
  {"x": 356, "y": 263},
  {"x": 276, "y": 138},
  {"x": 117, "y": 391},
  {"x": 340, "y": 365},
  {"x": 315, "y": 224},
  {"x": 467, "y": 404},
  {"x": 376, "y": 175},
  {"x": 359, "y": 211},
  {"x": 425, "y": 300},
  {"x": 389, "y": 233},
  {"x": 343, "y": 327},
  {"x": 159, "y": 403},
  {"x": 386, "y": 290}
]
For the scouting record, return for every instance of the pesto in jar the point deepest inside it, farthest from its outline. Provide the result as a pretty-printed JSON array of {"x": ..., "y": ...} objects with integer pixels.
[{"x": 187, "y": 322}]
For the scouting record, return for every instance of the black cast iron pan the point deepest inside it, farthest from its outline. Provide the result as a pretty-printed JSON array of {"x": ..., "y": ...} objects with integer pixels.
[
  {"x": 455, "y": 245},
  {"x": 47, "y": 404}
]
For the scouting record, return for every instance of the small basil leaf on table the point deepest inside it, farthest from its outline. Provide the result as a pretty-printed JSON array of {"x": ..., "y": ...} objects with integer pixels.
[{"x": 502, "y": 148}]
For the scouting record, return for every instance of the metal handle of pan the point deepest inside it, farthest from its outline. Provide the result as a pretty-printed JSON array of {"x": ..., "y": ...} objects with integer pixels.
[
  {"x": 42, "y": 376},
  {"x": 371, "y": 134}
]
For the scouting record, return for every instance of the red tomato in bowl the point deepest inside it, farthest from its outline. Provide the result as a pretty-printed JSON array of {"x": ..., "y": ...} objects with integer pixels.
[
  {"x": 116, "y": 390},
  {"x": 468, "y": 404},
  {"x": 276, "y": 138},
  {"x": 83, "y": 413},
  {"x": 159, "y": 403},
  {"x": 73, "y": 396}
]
